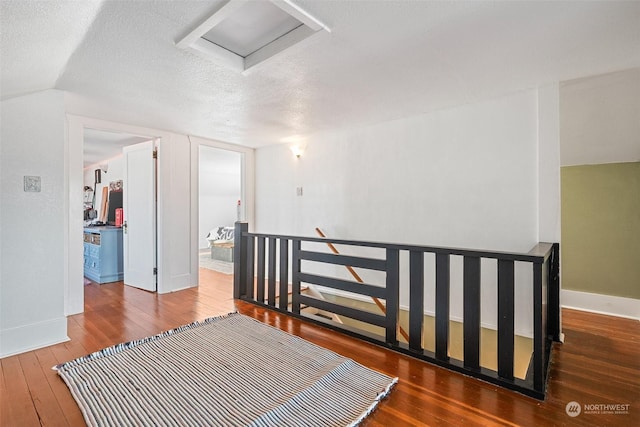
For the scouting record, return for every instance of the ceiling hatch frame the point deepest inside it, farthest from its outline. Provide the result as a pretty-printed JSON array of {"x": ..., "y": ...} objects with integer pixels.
[{"x": 194, "y": 41}]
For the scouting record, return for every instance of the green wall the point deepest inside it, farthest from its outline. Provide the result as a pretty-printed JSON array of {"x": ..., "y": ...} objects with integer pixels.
[{"x": 601, "y": 229}]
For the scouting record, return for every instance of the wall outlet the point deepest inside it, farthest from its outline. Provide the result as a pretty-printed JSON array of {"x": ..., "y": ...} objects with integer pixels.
[{"x": 298, "y": 191}]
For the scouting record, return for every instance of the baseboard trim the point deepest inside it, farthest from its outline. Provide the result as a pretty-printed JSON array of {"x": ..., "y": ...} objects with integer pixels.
[
  {"x": 602, "y": 304},
  {"x": 33, "y": 336},
  {"x": 181, "y": 289}
]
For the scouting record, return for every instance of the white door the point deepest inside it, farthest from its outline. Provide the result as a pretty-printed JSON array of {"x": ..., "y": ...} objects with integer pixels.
[{"x": 139, "y": 193}]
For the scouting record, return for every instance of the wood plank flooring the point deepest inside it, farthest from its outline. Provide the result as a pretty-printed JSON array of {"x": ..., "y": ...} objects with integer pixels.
[{"x": 598, "y": 364}]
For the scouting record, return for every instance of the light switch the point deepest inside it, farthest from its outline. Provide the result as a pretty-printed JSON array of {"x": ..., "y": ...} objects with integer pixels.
[
  {"x": 32, "y": 184},
  {"x": 298, "y": 191}
]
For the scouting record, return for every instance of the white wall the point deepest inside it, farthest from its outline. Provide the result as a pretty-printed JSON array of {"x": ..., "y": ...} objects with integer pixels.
[
  {"x": 549, "y": 164},
  {"x": 220, "y": 189},
  {"x": 32, "y": 285},
  {"x": 41, "y": 233},
  {"x": 600, "y": 119},
  {"x": 462, "y": 177},
  {"x": 176, "y": 249}
]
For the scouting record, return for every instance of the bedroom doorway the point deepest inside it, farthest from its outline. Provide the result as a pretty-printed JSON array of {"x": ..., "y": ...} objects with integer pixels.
[{"x": 220, "y": 205}]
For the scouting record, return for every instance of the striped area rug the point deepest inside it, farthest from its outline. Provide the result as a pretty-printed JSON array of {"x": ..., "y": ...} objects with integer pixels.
[{"x": 224, "y": 371}]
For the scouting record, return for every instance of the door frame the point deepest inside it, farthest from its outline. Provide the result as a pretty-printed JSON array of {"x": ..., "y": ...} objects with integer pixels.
[
  {"x": 74, "y": 224},
  {"x": 247, "y": 188}
]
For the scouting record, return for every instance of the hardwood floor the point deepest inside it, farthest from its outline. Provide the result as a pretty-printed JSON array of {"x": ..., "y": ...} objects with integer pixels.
[{"x": 599, "y": 363}]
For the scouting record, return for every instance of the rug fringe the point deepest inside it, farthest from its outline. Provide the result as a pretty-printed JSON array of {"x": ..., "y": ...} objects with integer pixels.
[
  {"x": 374, "y": 405},
  {"x": 118, "y": 348}
]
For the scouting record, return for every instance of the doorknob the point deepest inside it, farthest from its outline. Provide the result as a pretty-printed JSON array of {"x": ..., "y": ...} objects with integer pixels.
[{"x": 124, "y": 227}]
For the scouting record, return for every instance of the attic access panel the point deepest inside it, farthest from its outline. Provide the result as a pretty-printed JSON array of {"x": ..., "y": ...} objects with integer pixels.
[
  {"x": 242, "y": 34},
  {"x": 252, "y": 27}
]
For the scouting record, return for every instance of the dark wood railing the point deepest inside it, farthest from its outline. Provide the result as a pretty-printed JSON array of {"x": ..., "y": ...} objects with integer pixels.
[{"x": 262, "y": 263}]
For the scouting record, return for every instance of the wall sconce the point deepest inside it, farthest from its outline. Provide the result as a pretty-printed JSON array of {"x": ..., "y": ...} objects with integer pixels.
[{"x": 297, "y": 150}]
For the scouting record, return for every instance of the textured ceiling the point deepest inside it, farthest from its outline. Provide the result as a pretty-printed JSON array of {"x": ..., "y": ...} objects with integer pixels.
[
  {"x": 382, "y": 60},
  {"x": 37, "y": 38},
  {"x": 100, "y": 146}
]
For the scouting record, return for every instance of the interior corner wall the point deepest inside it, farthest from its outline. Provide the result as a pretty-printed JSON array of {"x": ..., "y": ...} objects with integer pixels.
[
  {"x": 33, "y": 234},
  {"x": 549, "y": 215}
]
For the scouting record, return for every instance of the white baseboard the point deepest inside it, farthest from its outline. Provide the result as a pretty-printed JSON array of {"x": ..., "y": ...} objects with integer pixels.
[
  {"x": 181, "y": 289},
  {"x": 33, "y": 336},
  {"x": 601, "y": 304},
  {"x": 176, "y": 282}
]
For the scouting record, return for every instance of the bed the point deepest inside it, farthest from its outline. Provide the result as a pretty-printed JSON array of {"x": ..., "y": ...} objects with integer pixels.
[{"x": 220, "y": 241}]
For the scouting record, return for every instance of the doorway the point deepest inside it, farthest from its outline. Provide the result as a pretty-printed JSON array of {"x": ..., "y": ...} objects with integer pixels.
[
  {"x": 220, "y": 205},
  {"x": 177, "y": 204},
  {"x": 119, "y": 209}
]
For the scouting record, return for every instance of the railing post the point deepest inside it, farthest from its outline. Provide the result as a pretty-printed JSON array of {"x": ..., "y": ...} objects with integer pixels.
[
  {"x": 393, "y": 295},
  {"x": 260, "y": 272},
  {"x": 553, "y": 322},
  {"x": 505, "y": 318},
  {"x": 471, "y": 312},
  {"x": 250, "y": 254},
  {"x": 239, "y": 260},
  {"x": 442, "y": 306},
  {"x": 538, "y": 341},
  {"x": 271, "y": 281},
  {"x": 295, "y": 276},
  {"x": 416, "y": 299},
  {"x": 284, "y": 275}
]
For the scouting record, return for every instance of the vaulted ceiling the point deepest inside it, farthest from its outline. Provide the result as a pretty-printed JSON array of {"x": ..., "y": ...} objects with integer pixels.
[{"x": 382, "y": 60}]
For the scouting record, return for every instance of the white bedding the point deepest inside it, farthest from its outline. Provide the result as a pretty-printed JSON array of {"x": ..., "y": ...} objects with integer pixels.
[{"x": 220, "y": 235}]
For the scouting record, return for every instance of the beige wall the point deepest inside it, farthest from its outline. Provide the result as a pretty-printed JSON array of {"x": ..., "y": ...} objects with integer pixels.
[{"x": 601, "y": 229}]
